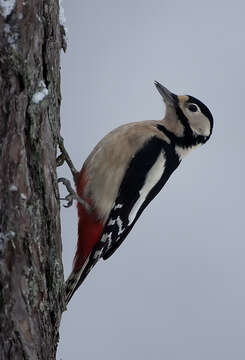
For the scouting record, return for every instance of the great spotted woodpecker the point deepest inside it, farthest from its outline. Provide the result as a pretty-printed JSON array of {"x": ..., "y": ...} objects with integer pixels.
[{"x": 123, "y": 174}]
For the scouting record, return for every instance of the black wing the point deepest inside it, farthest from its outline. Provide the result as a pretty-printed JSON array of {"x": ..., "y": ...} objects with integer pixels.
[{"x": 119, "y": 223}]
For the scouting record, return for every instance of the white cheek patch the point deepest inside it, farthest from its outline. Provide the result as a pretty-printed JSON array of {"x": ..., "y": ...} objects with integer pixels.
[
  {"x": 200, "y": 125},
  {"x": 201, "y": 128},
  {"x": 152, "y": 178},
  {"x": 206, "y": 130},
  {"x": 198, "y": 122}
]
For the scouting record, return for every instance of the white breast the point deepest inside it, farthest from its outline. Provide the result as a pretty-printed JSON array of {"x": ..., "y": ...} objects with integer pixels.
[{"x": 152, "y": 178}]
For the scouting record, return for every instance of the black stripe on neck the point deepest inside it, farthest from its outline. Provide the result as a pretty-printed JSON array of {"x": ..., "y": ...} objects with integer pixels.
[{"x": 189, "y": 138}]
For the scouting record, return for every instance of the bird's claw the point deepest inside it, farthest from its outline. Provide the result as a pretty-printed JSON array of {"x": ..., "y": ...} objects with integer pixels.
[
  {"x": 60, "y": 160},
  {"x": 64, "y": 157},
  {"x": 69, "y": 198},
  {"x": 72, "y": 195}
]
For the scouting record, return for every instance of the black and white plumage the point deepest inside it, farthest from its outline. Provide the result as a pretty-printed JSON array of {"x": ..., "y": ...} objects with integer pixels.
[{"x": 124, "y": 173}]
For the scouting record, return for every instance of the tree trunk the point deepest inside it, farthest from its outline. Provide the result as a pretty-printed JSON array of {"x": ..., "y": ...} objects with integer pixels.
[{"x": 31, "y": 272}]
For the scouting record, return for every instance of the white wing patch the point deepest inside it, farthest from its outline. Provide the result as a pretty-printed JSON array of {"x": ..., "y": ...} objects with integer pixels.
[
  {"x": 118, "y": 206},
  {"x": 97, "y": 254},
  {"x": 106, "y": 237},
  {"x": 119, "y": 224},
  {"x": 152, "y": 178}
]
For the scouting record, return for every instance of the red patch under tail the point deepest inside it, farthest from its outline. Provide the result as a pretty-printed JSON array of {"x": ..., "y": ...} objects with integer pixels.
[{"x": 89, "y": 226}]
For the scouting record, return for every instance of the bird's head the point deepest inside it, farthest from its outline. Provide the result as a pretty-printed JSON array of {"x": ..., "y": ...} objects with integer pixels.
[{"x": 187, "y": 118}]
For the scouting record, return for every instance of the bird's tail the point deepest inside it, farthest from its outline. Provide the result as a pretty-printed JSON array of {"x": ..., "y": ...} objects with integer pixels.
[{"x": 74, "y": 281}]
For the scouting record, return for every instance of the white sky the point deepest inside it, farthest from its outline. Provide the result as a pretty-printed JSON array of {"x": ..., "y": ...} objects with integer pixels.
[{"x": 175, "y": 289}]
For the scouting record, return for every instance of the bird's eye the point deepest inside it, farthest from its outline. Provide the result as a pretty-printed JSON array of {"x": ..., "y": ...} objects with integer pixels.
[{"x": 192, "y": 107}]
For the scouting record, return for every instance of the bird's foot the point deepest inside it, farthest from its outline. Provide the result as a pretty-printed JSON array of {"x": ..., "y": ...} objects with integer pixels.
[
  {"x": 64, "y": 157},
  {"x": 60, "y": 160},
  {"x": 72, "y": 195}
]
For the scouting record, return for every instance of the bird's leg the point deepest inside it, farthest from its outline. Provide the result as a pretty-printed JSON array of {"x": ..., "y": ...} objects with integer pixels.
[
  {"x": 64, "y": 157},
  {"x": 73, "y": 195}
]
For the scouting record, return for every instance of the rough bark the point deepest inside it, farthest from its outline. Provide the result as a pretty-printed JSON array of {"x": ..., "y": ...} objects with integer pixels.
[{"x": 31, "y": 272}]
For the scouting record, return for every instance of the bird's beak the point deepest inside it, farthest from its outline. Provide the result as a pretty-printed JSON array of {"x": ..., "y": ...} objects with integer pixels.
[{"x": 168, "y": 97}]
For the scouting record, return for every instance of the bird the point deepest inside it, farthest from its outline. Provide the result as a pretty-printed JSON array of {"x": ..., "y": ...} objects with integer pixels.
[{"x": 123, "y": 174}]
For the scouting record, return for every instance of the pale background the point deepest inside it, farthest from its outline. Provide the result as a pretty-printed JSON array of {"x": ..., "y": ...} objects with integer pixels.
[{"x": 176, "y": 288}]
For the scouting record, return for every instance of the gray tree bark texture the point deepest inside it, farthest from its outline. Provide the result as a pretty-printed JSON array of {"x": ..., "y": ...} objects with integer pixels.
[{"x": 31, "y": 271}]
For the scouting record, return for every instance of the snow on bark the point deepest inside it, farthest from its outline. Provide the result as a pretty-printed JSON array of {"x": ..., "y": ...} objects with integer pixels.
[
  {"x": 62, "y": 20},
  {"x": 6, "y": 7},
  {"x": 40, "y": 95}
]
